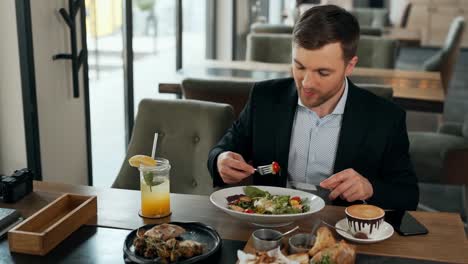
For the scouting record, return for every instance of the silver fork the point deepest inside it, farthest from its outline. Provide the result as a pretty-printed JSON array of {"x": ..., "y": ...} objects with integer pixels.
[{"x": 265, "y": 169}]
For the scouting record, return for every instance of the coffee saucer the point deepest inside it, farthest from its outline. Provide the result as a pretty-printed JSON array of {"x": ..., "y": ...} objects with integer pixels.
[{"x": 385, "y": 231}]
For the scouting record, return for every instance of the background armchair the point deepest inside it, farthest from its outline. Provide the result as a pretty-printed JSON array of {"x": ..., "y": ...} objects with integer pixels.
[
  {"x": 269, "y": 47},
  {"x": 271, "y": 28},
  {"x": 371, "y": 20},
  {"x": 376, "y": 52},
  {"x": 443, "y": 60},
  {"x": 187, "y": 131},
  {"x": 234, "y": 93},
  {"x": 441, "y": 163},
  {"x": 373, "y": 52}
]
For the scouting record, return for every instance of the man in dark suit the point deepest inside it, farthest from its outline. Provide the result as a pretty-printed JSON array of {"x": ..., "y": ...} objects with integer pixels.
[{"x": 320, "y": 127}]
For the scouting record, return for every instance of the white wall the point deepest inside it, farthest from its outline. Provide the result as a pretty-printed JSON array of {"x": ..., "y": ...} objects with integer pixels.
[
  {"x": 12, "y": 137},
  {"x": 275, "y": 12},
  {"x": 397, "y": 8},
  {"x": 61, "y": 117},
  {"x": 224, "y": 30}
]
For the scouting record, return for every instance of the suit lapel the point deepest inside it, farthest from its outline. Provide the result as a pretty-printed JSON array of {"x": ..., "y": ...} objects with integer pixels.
[
  {"x": 285, "y": 109},
  {"x": 353, "y": 130}
]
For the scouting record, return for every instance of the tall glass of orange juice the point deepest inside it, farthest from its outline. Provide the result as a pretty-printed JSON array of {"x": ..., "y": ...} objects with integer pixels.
[{"x": 154, "y": 186}]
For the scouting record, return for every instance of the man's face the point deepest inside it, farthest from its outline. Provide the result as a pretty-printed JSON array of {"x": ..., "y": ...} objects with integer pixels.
[{"x": 319, "y": 74}]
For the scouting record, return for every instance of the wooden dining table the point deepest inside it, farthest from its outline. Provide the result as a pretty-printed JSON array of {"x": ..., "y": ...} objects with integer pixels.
[
  {"x": 405, "y": 36},
  {"x": 413, "y": 90},
  {"x": 445, "y": 242}
]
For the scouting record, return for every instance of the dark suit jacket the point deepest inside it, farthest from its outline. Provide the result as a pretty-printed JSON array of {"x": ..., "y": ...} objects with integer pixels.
[{"x": 373, "y": 141}]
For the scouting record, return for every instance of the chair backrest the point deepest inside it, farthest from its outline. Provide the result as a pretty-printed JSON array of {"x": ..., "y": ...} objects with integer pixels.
[
  {"x": 381, "y": 90},
  {"x": 371, "y": 17},
  {"x": 465, "y": 127},
  {"x": 445, "y": 59},
  {"x": 370, "y": 31},
  {"x": 405, "y": 15},
  {"x": 269, "y": 47},
  {"x": 187, "y": 130},
  {"x": 371, "y": 20},
  {"x": 373, "y": 52},
  {"x": 271, "y": 28},
  {"x": 376, "y": 52},
  {"x": 234, "y": 93}
]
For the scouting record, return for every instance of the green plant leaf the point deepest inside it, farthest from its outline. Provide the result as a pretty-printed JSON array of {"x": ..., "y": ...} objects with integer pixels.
[{"x": 148, "y": 176}]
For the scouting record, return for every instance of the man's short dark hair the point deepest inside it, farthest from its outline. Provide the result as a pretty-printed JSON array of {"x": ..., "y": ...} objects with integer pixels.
[{"x": 325, "y": 24}]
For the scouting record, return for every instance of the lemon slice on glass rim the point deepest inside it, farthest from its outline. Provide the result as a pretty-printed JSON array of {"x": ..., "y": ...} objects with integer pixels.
[{"x": 138, "y": 160}]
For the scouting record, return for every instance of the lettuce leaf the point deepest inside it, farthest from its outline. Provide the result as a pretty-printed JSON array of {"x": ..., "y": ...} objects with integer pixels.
[{"x": 253, "y": 192}]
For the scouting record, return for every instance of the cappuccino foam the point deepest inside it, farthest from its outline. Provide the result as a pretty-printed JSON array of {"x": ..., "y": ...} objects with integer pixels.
[{"x": 365, "y": 211}]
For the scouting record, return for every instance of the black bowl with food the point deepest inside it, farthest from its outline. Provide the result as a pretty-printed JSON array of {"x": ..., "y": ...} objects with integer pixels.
[{"x": 176, "y": 242}]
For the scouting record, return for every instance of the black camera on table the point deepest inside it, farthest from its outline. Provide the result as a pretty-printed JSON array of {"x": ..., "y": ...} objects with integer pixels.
[{"x": 16, "y": 186}]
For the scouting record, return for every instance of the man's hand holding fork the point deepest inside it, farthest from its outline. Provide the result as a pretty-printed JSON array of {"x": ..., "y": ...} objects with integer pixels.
[{"x": 232, "y": 167}]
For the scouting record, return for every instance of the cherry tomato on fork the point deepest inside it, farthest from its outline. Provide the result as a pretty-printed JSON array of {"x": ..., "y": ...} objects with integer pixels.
[{"x": 276, "y": 167}]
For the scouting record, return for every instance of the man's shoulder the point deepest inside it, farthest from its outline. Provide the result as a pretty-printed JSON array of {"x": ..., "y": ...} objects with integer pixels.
[
  {"x": 274, "y": 84},
  {"x": 376, "y": 103},
  {"x": 273, "y": 91}
]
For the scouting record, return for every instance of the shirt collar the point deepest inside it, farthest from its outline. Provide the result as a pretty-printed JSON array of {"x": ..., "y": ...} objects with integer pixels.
[{"x": 339, "y": 108}]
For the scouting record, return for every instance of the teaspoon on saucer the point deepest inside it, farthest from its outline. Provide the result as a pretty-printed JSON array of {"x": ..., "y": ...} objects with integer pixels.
[{"x": 358, "y": 235}]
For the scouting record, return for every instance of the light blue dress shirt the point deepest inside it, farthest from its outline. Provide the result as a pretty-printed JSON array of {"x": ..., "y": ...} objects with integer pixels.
[{"x": 314, "y": 142}]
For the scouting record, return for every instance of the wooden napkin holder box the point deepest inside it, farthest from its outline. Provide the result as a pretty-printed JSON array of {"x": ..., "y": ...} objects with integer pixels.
[{"x": 45, "y": 229}]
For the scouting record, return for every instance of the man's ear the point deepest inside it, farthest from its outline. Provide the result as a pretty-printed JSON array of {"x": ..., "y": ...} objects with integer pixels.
[{"x": 350, "y": 66}]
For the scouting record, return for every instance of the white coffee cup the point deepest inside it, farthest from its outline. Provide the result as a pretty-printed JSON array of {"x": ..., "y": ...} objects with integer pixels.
[{"x": 365, "y": 218}]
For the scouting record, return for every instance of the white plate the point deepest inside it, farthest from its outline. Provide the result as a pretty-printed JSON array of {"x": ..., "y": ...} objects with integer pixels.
[
  {"x": 316, "y": 204},
  {"x": 385, "y": 231}
]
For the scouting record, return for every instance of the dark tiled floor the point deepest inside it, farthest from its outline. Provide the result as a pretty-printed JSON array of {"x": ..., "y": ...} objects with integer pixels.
[{"x": 456, "y": 104}]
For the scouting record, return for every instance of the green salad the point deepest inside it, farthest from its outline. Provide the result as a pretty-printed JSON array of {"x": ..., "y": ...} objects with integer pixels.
[{"x": 257, "y": 201}]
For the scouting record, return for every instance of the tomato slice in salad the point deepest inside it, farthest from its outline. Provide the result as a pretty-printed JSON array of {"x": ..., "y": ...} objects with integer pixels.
[{"x": 297, "y": 198}]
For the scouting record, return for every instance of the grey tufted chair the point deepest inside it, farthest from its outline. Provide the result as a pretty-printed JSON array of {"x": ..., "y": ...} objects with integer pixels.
[
  {"x": 441, "y": 163},
  {"x": 373, "y": 52},
  {"x": 371, "y": 20},
  {"x": 187, "y": 131},
  {"x": 376, "y": 52},
  {"x": 445, "y": 59},
  {"x": 269, "y": 47},
  {"x": 271, "y": 28}
]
